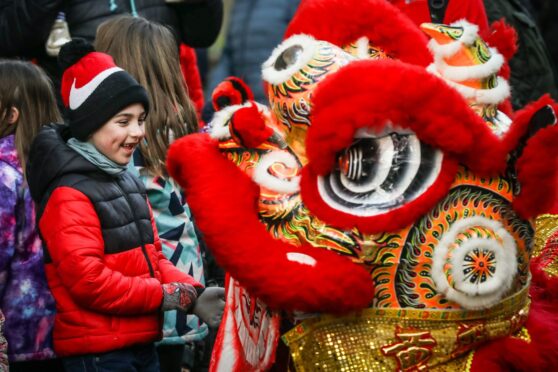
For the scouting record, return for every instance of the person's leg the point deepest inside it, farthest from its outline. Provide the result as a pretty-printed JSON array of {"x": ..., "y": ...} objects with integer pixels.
[
  {"x": 145, "y": 358},
  {"x": 170, "y": 357},
  {"x": 115, "y": 361},
  {"x": 82, "y": 363},
  {"x": 51, "y": 365},
  {"x": 189, "y": 356}
]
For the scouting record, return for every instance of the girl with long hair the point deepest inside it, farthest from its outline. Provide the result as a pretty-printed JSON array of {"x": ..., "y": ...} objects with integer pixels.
[
  {"x": 26, "y": 103},
  {"x": 150, "y": 53}
]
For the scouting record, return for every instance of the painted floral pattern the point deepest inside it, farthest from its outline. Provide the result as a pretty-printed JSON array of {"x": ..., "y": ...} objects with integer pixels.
[{"x": 25, "y": 299}]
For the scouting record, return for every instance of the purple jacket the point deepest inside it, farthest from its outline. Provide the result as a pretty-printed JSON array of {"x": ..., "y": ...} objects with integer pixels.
[{"x": 25, "y": 298}]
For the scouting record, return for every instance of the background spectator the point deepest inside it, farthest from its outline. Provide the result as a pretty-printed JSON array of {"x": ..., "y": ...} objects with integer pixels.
[
  {"x": 26, "y": 103},
  {"x": 471, "y": 10},
  {"x": 148, "y": 51},
  {"x": 256, "y": 27},
  {"x": 25, "y": 24},
  {"x": 531, "y": 69}
]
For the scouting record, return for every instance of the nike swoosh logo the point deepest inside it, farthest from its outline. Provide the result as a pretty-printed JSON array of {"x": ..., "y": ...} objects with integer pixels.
[{"x": 79, "y": 95}]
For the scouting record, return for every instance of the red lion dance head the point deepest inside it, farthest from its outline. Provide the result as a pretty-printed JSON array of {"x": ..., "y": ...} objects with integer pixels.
[{"x": 382, "y": 202}]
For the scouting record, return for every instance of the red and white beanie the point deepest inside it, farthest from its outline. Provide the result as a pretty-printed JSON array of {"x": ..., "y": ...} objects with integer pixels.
[{"x": 94, "y": 89}]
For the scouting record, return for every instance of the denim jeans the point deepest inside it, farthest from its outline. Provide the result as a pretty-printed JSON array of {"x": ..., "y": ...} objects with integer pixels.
[{"x": 142, "y": 358}]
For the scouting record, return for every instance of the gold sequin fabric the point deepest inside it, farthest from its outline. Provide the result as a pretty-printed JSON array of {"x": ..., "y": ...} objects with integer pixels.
[
  {"x": 400, "y": 340},
  {"x": 546, "y": 242}
]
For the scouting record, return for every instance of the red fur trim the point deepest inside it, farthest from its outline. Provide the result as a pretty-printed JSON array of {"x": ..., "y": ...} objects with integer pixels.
[
  {"x": 502, "y": 37},
  {"x": 342, "y": 22},
  {"x": 506, "y": 108},
  {"x": 390, "y": 221},
  {"x": 368, "y": 93},
  {"x": 505, "y": 71},
  {"x": 512, "y": 354},
  {"x": 242, "y": 87},
  {"x": 541, "y": 354},
  {"x": 224, "y": 202},
  {"x": 248, "y": 127},
  {"x": 521, "y": 120},
  {"x": 537, "y": 172},
  {"x": 191, "y": 73},
  {"x": 544, "y": 288},
  {"x": 225, "y": 95},
  {"x": 231, "y": 91}
]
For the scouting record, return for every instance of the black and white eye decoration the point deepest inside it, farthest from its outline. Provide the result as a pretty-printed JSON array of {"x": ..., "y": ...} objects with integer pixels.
[
  {"x": 380, "y": 172},
  {"x": 289, "y": 57}
]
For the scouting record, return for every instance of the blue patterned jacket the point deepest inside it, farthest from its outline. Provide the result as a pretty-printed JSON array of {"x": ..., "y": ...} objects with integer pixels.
[{"x": 180, "y": 246}]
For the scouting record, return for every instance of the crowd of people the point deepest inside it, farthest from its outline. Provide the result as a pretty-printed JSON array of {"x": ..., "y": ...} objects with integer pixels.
[{"x": 101, "y": 263}]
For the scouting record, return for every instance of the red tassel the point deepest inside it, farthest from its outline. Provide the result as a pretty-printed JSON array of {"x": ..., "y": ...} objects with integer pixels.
[
  {"x": 191, "y": 73},
  {"x": 248, "y": 127}
]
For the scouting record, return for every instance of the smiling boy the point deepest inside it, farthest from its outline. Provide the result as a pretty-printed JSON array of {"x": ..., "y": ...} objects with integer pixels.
[{"x": 103, "y": 256}]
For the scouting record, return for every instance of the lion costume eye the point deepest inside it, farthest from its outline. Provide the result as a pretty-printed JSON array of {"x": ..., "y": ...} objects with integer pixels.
[
  {"x": 377, "y": 174},
  {"x": 289, "y": 57}
]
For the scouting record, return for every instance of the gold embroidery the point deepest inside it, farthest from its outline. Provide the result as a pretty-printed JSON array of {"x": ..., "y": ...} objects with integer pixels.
[
  {"x": 408, "y": 340},
  {"x": 546, "y": 242}
]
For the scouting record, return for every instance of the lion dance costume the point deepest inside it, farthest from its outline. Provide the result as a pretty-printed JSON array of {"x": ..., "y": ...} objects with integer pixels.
[{"x": 386, "y": 200}]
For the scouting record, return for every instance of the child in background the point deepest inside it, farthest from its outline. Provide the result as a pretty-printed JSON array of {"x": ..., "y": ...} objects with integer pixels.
[
  {"x": 149, "y": 52},
  {"x": 103, "y": 256},
  {"x": 26, "y": 102}
]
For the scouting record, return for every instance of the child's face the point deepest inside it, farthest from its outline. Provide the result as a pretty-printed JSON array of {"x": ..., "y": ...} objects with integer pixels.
[{"x": 118, "y": 138}]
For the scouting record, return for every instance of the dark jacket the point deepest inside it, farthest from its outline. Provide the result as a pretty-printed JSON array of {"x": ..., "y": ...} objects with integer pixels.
[
  {"x": 531, "y": 70},
  {"x": 256, "y": 28},
  {"x": 25, "y": 24},
  {"x": 25, "y": 298},
  {"x": 103, "y": 258}
]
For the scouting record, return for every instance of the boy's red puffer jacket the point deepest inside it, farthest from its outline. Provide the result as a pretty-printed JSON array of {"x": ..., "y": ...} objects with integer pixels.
[{"x": 103, "y": 257}]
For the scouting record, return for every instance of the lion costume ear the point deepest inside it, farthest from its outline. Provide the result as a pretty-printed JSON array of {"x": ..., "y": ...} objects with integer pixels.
[
  {"x": 381, "y": 23},
  {"x": 231, "y": 91},
  {"x": 537, "y": 159}
]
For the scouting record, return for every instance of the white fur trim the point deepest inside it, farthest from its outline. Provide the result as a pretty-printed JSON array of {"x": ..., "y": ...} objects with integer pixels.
[
  {"x": 470, "y": 31},
  {"x": 463, "y": 73},
  {"x": 506, "y": 267},
  {"x": 362, "y": 45},
  {"x": 275, "y": 77},
  {"x": 263, "y": 178},
  {"x": 471, "y": 296},
  {"x": 219, "y": 125},
  {"x": 301, "y": 258},
  {"x": 444, "y": 50},
  {"x": 491, "y": 96},
  {"x": 503, "y": 123}
]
